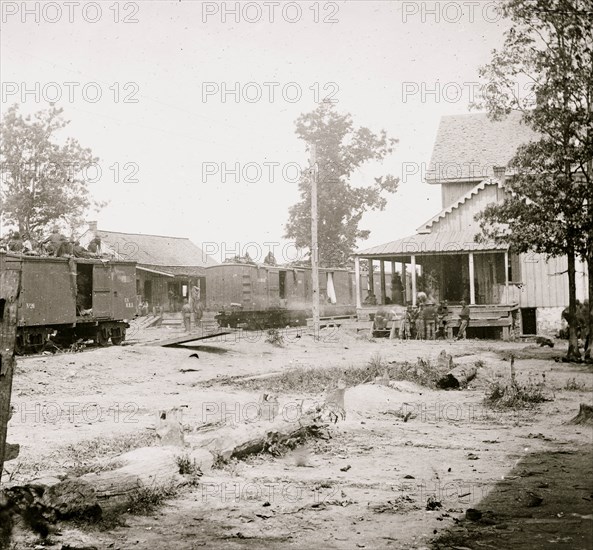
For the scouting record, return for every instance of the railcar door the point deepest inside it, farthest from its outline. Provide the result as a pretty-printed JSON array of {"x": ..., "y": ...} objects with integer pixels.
[
  {"x": 102, "y": 295},
  {"x": 124, "y": 291}
]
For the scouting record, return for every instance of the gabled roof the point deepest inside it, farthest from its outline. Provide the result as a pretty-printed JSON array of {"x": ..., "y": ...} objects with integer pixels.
[
  {"x": 425, "y": 227},
  {"x": 156, "y": 250},
  {"x": 440, "y": 242},
  {"x": 468, "y": 146}
]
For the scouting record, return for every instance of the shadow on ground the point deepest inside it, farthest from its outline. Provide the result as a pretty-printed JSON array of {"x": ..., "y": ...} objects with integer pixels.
[{"x": 513, "y": 516}]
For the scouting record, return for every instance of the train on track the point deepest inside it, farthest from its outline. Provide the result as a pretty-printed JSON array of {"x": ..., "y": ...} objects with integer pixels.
[
  {"x": 262, "y": 296},
  {"x": 68, "y": 299}
]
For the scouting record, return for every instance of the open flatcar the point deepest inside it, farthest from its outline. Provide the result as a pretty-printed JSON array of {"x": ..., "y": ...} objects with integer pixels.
[{"x": 71, "y": 299}]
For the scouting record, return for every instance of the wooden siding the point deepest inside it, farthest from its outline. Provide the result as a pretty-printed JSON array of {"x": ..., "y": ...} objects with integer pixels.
[
  {"x": 452, "y": 192},
  {"x": 462, "y": 218},
  {"x": 544, "y": 283}
]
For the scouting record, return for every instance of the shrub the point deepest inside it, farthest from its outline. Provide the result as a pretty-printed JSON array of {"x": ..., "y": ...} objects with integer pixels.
[
  {"x": 515, "y": 395},
  {"x": 274, "y": 337}
]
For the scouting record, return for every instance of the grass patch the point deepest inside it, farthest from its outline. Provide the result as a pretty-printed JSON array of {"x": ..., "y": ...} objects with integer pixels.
[
  {"x": 514, "y": 395},
  {"x": 314, "y": 380},
  {"x": 573, "y": 385},
  {"x": 189, "y": 467},
  {"x": 94, "y": 467},
  {"x": 92, "y": 455},
  {"x": 108, "y": 447},
  {"x": 145, "y": 500}
]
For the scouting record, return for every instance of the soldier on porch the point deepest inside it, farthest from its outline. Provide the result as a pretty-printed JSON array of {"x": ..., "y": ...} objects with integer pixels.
[
  {"x": 442, "y": 312},
  {"x": 464, "y": 316}
]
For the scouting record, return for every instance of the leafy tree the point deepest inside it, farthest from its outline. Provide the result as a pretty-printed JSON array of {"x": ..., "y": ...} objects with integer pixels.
[
  {"x": 42, "y": 181},
  {"x": 340, "y": 150},
  {"x": 549, "y": 204}
]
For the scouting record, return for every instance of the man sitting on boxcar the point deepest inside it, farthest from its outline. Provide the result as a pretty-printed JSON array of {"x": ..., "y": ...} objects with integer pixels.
[
  {"x": 15, "y": 243},
  {"x": 79, "y": 251},
  {"x": 66, "y": 248},
  {"x": 54, "y": 241},
  {"x": 94, "y": 246}
]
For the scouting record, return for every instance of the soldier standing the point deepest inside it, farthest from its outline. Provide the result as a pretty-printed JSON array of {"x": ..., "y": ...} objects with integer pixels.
[
  {"x": 186, "y": 312},
  {"x": 464, "y": 316}
]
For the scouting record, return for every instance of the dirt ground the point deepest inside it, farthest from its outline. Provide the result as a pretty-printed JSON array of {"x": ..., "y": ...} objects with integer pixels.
[{"x": 365, "y": 487}]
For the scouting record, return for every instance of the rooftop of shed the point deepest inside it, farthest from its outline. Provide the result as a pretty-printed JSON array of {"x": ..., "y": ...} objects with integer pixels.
[{"x": 156, "y": 250}]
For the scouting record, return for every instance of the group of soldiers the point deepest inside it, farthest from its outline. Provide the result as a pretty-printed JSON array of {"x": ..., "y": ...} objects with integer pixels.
[
  {"x": 426, "y": 321},
  {"x": 56, "y": 244}
]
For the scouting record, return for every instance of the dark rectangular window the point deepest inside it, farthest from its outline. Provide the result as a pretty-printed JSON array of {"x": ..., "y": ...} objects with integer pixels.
[{"x": 514, "y": 268}]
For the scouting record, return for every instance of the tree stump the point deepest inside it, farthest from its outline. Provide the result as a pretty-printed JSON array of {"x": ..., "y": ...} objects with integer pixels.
[
  {"x": 459, "y": 377},
  {"x": 585, "y": 415}
]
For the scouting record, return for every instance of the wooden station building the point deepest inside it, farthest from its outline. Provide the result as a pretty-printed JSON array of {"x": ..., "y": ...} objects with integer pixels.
[
  {"x": 523, "y": 293},
  {"x": 167, "y": 267}
]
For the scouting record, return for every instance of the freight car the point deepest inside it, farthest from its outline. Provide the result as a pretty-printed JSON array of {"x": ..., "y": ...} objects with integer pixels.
[
  {"x": 263, "y": 296},
  {"x": 72, "y": 299}
]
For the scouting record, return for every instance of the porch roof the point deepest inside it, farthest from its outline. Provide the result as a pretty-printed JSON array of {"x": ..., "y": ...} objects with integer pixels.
[{"x": 440, "y": 242}]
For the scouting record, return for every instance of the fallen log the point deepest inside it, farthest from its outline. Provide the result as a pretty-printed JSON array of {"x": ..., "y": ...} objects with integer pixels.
[
  {"x": 275, "y": 442},
  {"x": 89, "y": 495},
  {"x": 584, "y": 416},
  {"x": 155, "y": 468},
  {"x": 240, "y": 441},
  {"x": 457, "y": 378},
  {"x": 148, "y": 467}
]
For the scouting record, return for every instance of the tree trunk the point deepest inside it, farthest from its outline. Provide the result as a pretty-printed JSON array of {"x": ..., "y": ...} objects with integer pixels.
[
  {"x": 573, "y": 345},
  {"x": 589, "y": 343}
]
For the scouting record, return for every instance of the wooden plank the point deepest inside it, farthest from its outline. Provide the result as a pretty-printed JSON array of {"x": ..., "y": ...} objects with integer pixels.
[
  {"x": 186, "y": 338},
  {"x": 473, "y": 323},
  {"x": 10, "y": 284}
]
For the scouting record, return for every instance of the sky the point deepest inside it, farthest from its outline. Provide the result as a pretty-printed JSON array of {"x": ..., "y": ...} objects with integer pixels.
[{"x": 171, "y": 96}]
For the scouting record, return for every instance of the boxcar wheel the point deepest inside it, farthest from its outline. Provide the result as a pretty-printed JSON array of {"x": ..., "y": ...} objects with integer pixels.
[
  {"x": 38, "y": 348},
  {"x": 117, "y": 340},
  {"x": 101, "y": 339}
]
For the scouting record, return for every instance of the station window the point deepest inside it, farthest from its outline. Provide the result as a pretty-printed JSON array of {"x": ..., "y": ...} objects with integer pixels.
[{"x": 514, "y": 268}]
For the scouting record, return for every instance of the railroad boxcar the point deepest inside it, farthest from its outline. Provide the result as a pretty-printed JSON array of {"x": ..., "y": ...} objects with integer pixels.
[
  {"x": 72, "y": 298},
  {"x": 263, "y": 296}
]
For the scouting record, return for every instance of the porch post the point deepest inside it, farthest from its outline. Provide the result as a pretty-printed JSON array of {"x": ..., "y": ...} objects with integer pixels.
[
  {"x": 413, "y": 267},
  {"x": 392, "y": 285},
  {"x": 404, "y": 284},
  {"x": 472, "y": 285},
  {"x": 506, "y": 276},
  {"x": 357, "y": 281},
  {"x": 371, "y": 278},
  {"x": 383, "y": 285}
]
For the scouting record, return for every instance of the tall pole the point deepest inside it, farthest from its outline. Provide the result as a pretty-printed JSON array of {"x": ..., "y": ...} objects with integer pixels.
[
  {"x": 314, "y": 241},
  {"x": 10, "y": 281}
]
